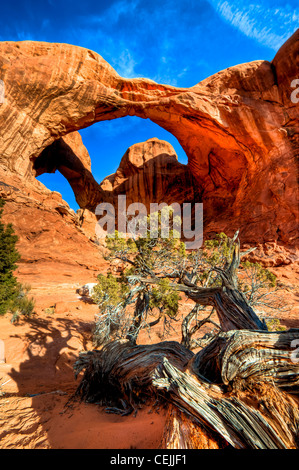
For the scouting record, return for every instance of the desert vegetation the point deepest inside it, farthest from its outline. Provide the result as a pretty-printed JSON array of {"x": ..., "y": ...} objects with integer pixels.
[
  {"x": 13, "y": 294},
  {"x": 222, "y": 388}
]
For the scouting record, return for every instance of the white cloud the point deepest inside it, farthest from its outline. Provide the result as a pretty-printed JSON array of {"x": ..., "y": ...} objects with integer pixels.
[
  {"x": 125, "y": 64},
  {"x": 270, "y": 26},
  {"x": 113, "y": 13}
]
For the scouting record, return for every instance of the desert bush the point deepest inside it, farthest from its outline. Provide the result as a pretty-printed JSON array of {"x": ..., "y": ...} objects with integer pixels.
[
  {"x": 13, "y": 295},
  {"x": 148, "y": 268},
  {"x": 274, "y": 324}
]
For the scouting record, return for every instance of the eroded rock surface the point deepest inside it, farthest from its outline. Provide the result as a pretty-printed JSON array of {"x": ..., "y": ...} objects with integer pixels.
[
  {"x": 239, "y": 128},
  {"x": 51, "y": 241},
  {"x": 150, "y": 172}
]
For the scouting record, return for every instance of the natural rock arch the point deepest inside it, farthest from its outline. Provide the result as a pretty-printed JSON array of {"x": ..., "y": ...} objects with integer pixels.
[
  {"x": 69, "y": 156},
  {"x": 238, "y": 127}
]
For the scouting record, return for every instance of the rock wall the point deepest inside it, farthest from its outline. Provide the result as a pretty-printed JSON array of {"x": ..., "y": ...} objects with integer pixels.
[
  {"x": 52, "y": 243},
  {"x": 239, "y": 128},
  {"x": 150, "y": 172}
]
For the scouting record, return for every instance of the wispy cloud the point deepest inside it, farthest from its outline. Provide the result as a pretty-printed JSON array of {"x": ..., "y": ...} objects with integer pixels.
[
  {"x": 163, "y": 41},
  {"x": 270, "y": 25},
  {"x": 125, "y": 64}
]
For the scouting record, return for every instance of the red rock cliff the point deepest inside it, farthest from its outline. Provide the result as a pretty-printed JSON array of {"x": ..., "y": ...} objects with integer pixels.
[
  {"x": 150, "y": 172},
  {"x": 239, "y": 127}
]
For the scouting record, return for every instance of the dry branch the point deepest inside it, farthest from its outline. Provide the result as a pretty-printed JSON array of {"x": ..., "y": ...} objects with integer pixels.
[
  {"x": 206, "y": 386},
  {"x": 240, "y": 389}
]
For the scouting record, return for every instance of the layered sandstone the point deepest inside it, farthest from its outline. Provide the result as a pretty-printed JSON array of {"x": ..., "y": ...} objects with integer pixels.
[
  {"x": 52, "y": 244},
  {"x": 239, "y": 128},
  {"x": 150, "y": 172}
]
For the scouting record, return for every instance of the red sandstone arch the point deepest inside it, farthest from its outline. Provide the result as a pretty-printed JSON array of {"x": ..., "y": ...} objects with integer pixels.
[{"x": 238, "y": 127}]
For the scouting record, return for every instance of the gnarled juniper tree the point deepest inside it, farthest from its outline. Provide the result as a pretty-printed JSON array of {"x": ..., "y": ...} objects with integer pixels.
[
  {"x": 153, "y": 272},
  {"x": 239, "y": 389}
]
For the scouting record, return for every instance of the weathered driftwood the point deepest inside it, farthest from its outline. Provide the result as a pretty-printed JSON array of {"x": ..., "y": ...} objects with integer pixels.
[{"x": 240, "y": 400}]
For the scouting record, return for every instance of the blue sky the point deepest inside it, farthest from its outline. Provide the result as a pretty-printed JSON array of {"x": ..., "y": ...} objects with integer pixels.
[{"x": 173, "y": 42}]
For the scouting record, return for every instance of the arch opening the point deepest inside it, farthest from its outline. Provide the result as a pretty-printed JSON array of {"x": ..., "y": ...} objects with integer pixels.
[{"x": 108, "y": 143}]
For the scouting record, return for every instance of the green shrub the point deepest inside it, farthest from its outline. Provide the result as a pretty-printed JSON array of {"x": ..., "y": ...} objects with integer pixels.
[
  {"x": 13, "y": 295},
  {"x": 145, "y": 292},
  {"x": 165, "y": 298},
  {"x": 109, "y": 291},
  {"x": 273, "y": 324}
]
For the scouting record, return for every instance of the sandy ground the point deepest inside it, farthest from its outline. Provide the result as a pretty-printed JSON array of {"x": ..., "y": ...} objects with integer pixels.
[{"x": 37, "y": 380}]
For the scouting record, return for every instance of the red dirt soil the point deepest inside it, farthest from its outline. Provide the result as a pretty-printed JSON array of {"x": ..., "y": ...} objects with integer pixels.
[{"x": 37, "y": 379}]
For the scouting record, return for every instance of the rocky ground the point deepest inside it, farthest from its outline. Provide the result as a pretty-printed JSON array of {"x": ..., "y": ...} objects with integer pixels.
[{"x": 37, "y": 380}]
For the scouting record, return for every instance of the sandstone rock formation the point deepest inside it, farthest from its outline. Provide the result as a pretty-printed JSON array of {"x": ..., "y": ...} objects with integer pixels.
[
  {"x": 52, "y": 244},
  {"x": 239, "y": 128},
  {"x": 150, "y": 172},
  {"x": 69, "y": 156}
]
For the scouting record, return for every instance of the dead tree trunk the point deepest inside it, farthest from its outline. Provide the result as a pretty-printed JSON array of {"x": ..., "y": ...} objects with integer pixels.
[
  {"x": 231, "y": 306},
  {"x": 241, "y": 387},
  {"x": 181, "y": 431},
  {"x": 239, "y": 390}
]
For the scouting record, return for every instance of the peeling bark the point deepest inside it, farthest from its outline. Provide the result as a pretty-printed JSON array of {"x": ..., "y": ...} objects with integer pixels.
[
  {"x": 239, "y": 390},
  {"x": 244, "y": 394}
]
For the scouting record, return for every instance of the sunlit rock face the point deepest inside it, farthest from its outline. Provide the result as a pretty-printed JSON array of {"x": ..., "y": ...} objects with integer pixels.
[
  {"x": 69, "y": 156},
  {"x": 239, "y": 129},
  {"x": 51, "y": 239},
  {"x": 150, "y": 172}
]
